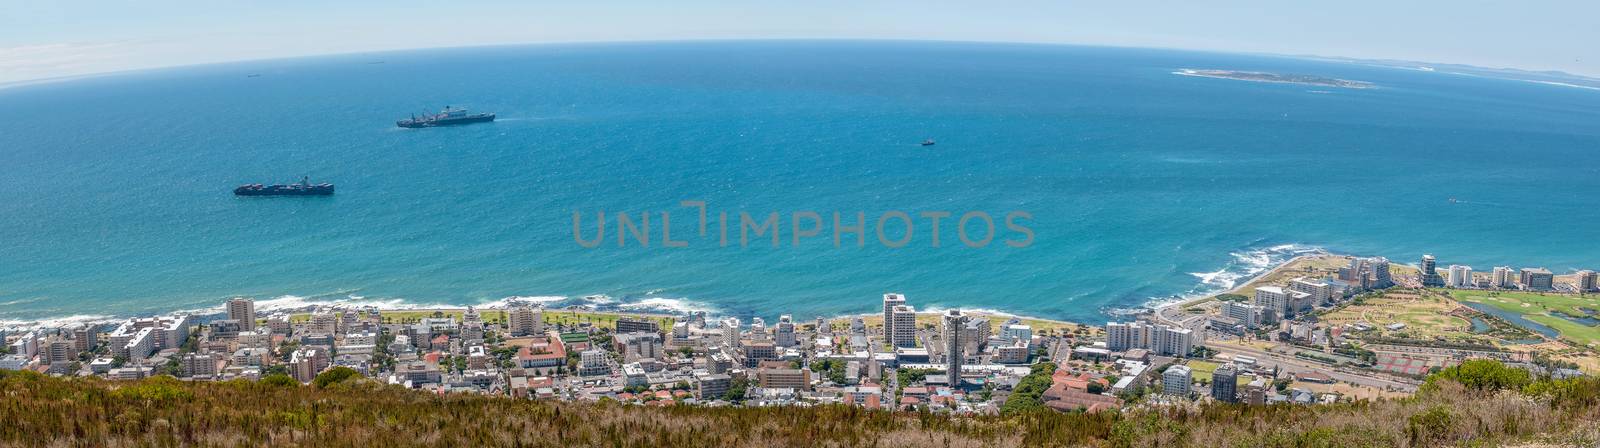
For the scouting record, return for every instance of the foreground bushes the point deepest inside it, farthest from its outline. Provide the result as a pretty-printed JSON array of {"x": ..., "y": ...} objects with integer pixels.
[{"x": 347, "y": 411}]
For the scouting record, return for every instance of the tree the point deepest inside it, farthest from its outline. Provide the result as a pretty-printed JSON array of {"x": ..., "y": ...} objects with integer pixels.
[
  {"x": 279, "y": 379},
  {"x": 335, "y": 375},
  {"x": 1095, "y": 387}
]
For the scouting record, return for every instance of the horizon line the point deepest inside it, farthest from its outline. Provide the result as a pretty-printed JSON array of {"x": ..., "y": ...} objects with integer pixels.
[{"x": 1382, "y": 62}]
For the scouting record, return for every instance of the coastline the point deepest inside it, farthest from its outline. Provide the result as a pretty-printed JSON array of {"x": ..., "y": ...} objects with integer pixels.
[{"x": 663, "y": 307}]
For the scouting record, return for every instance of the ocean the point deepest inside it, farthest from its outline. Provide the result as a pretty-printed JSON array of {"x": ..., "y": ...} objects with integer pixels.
[{"x": 1142, "y": 186}]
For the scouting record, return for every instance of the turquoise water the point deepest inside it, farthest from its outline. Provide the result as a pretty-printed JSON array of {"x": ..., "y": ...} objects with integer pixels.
[{"x": 1143, "y": 185}]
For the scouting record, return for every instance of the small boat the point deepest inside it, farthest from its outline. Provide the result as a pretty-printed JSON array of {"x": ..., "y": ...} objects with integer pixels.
[{"x": 928, "y": 142}]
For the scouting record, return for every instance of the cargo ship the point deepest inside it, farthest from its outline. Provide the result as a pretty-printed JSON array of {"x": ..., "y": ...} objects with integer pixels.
[
  {"x": 448, "y": 117},
  {"x": 304, "y": 188}
]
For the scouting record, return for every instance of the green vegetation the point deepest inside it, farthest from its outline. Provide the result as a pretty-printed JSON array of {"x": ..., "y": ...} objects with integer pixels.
[
  {"x": 1480, "y": 403},
  {"x": 1026, "y": 396}
]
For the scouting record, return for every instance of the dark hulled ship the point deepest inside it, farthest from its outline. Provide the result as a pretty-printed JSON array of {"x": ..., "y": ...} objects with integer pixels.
[
  {"x": 448, "y": 117},
  {"x": 304, "y": 188}
]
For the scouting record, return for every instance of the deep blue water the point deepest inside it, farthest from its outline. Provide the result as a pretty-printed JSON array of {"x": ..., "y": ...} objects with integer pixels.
[{"x": 115, "y": 191}]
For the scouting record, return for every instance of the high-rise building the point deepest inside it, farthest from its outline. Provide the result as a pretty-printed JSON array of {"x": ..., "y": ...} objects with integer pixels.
[
  {"x": 1459, "y": 276},
  {"x": 244, "y": 311},
  {"x": 1379, "y": 275},
  {"x": 1538, "y": 279},
  {"x": 1367, "y": 273},
  {"x": 524, "y": 320},
  {"x": 954, "y": 325},
  {"x": 784, "y": 333},
  {"x": 1319, "y": 291},
  {"x": 1502, "y": 278},
  {"x": 1225, "y": 383},
  {"x": 904, "y": 324},
  {"x": 1247, "y": 314},
  {"x": 1177, "y": 380},
  {"x": 1275, "y": 300},
  {"x": 730, "y": 332},
  {"x": 890, "y": 301},
  {"x": 1588, "y": 281},
  {"x": 1429, "y": 272}
]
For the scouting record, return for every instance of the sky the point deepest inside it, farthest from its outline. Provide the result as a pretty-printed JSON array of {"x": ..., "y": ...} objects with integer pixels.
[{"x": 49, "y": 39}]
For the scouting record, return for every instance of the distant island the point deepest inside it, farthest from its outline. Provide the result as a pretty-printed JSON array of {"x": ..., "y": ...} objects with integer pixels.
[{"x": 1275, "y": 77}]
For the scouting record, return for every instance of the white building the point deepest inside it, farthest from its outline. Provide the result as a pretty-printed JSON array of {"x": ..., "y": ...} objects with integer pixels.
[
  {"x": 1159, "y": 339},
  {"x": 890, "y": 301},
  {"x": 1017, "y": 332},
  {"x": 1503, "y": 277},
  {"x": 730, "y": 332},
  {"x": 1177, "y": 380},
  {"x": 594, "y": 362},
  {"x": 785, "y": 331},
  {"x": 1318, "y": 291},
  {"x": 1247, "y": 314},
  {"x": 524, "y": 320},
  {"x": 903, "y": 326},
  {"x": 1275, "y": 300},
  {"x": 1459, "y": 276}
]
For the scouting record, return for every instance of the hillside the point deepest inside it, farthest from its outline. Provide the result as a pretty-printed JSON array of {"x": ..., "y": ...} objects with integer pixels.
[{"x": 1497, "y": 406}]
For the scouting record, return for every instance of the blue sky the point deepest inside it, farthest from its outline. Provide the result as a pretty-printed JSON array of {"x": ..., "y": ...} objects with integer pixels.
[{"x": 47, "y": 38}]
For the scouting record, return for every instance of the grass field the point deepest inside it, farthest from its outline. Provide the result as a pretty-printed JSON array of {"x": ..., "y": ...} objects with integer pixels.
[
  {"x": 1543, "y": 308},
  {"x": 1424, "y": 317}
]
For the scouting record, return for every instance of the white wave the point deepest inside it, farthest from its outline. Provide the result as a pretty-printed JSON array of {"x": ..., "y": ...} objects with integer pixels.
[
  {"x": 1243, "y": 267},
  {"x": 599, "y": 299},
  {"x": 683, "y": 306},
  {"x": 58, "y": 322}
]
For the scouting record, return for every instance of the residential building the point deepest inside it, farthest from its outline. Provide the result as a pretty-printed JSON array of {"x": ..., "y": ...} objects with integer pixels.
[
  {"x": 890, "y": 302},
  {"x": 783, "y": 378},
  {"x": 524, "y": 320},
  {"x": 638, "y": 346},
  {"x": 903, "y": 326},
  {"x": 1246, "y": 314},
  {"x": 1160, "y": 339},
  {"x": 1225, "y": 383},
  {"x": 785, "y": 331},
  {"x": 1458, "y": 276},
  {"x": 1502, "y": 278},
  {"x": 1588, "y": 281},
  {"x": 307, "y": 362},
  {"x": 323, "y": 323},
  {"x": 1177, "y": 380},
  {"x": 198, "y": 365},
  {"x": 1014, "y": 332},
  {"x": 1429, "y": 272},
  {"x": 1538, "y": 279},
  {"x": 244, "y": 311},
  {"x": 1275, "y": 300},
  {"x": 730, "y": 332},
  {"x": 637, "y": 325},
  {"x": 755, "y": 352},
  {"x": 1318, "y": 291},
  {"x": 954, "y": 353},
  {"x": 712, "y": 386},
  {"x": 594, "y": 362}
]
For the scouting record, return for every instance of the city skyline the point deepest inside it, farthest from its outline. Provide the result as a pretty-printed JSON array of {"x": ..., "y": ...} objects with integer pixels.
[{"x": 65, "y": 40}]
